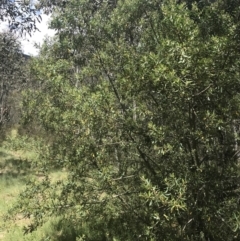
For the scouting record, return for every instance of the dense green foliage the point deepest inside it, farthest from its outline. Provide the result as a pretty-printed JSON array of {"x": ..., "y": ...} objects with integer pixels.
[{"x": 138, "y": 101}]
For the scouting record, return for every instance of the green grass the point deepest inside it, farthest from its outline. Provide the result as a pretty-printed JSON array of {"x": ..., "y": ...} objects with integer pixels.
[
  {"x": 53, "y": 230},
  {"x": 14, "y": 170},
  {"x": 15, "y": 163}
]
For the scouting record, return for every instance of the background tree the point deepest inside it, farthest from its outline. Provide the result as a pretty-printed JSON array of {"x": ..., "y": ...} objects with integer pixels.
[
  {"x": 13, "y": 78},
  {"x": 146, "y": 136},
  {"x": 20, "y": 15}
]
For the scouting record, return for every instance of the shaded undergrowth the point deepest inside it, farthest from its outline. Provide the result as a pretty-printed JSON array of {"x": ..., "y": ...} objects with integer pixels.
[
  {"x": 16, "y": 156},
  {"x": 14, "y": 171}
]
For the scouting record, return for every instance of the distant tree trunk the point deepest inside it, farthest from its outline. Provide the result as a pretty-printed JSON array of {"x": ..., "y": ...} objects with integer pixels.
[{"x": 235, "y": 127}]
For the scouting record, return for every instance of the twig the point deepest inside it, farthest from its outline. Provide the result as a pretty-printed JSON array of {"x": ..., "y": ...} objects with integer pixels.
[{"x": 201, "y": 92}]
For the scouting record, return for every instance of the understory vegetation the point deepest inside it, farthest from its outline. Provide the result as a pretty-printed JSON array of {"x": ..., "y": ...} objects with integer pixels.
[
  {"x": 132, "y": 112},
  {"x": 16, "y": 155}
]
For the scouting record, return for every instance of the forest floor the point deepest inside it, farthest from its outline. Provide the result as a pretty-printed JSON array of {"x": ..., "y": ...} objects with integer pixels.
[{"x": 15, "y": 171}]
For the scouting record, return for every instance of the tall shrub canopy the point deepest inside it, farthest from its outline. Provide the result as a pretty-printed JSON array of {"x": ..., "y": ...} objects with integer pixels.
[{"x": 139, "y": 101}]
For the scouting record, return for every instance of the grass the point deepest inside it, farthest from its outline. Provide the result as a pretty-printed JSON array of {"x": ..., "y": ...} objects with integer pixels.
[{"x": 14, "y": 172}]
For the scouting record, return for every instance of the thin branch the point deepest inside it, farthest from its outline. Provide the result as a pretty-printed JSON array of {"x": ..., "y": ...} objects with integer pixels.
[
  {"x": 201, "y": 92},
  {"x": 123, "y": 177}
]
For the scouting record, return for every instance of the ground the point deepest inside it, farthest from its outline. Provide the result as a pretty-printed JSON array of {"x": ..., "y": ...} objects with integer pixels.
[{"x": 15, "y": 170}]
